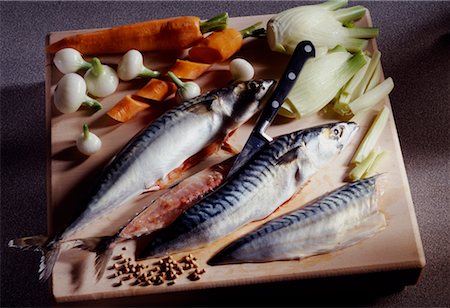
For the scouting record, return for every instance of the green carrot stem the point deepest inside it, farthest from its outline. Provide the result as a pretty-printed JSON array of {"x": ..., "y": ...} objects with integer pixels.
[
  {"x": 175, "y": 79},
  {"x": 97, "y": 67},
  {"x": 250, "y": 30},
  {"x": 215, "y": 23}
]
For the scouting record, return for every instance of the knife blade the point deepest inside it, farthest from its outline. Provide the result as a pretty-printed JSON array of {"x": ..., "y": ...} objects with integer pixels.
[{"x": 258, "y": 138}]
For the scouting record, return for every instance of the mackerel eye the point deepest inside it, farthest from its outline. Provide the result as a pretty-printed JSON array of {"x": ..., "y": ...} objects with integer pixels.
[
  {"x": 337, "y": 131},
  {"x": 253, "y": 86}
]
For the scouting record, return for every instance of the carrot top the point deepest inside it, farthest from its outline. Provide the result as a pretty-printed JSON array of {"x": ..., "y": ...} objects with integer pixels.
[
  {"x": 215, "y": 23},
  {"x": 221, "y": 45}
]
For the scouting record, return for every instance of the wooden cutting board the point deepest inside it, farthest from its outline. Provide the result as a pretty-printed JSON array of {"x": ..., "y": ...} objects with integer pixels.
[{"x": 71, "y": 176}]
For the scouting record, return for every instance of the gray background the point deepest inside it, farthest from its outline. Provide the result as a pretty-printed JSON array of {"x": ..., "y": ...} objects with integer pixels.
[{"x": 414, "y": 40}]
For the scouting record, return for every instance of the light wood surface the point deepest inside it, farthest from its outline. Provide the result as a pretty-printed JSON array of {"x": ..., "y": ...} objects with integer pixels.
[{"x": 71, "y": 175}]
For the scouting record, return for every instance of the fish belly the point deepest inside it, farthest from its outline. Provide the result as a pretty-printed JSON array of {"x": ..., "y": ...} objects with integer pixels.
[
  {"x": 165, "y": 153},
  {"x": 164, "y": 210}
]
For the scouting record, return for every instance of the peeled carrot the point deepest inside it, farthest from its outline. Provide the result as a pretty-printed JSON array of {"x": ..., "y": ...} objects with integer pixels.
[
  {"x": 157, "y": 90},
  {"x": 185, "y": 69},
  {"x": 161, "y": 34},
  {"x": 129, "y": 106},
  {"x": 221, "y": 45},
  {"x": 126, "y": 109}
]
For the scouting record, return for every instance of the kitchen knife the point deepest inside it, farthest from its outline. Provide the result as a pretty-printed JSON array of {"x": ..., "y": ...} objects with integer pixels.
[{"x": 258, "y": 137}]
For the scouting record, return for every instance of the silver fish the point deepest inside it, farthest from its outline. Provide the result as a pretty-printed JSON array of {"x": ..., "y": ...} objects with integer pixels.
[
  {"x": 158, "y": 214},
  {"x": 263, "y": 184},
  {"x": 153, "y": 156},
  {"x": 340, "y": 219}
]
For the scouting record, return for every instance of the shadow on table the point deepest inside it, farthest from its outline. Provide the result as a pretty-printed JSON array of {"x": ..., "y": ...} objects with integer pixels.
[
  {"x": 355, "y": 290},
  {"x": 23, "y": 190}
]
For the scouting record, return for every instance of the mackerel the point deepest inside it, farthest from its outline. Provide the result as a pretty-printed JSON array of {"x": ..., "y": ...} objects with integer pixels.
[
  {"x": 264, "y": 183},
  {"x": 157, "y": 155},
  {"x": 158, "y": 214},
  {"x": 339, "y": 219}
]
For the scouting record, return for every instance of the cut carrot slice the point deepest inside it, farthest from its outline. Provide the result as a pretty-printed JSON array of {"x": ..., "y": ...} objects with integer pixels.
[
  {"x": 126, "y": 109},
  {"x": 185, "y": 69},
  {"x": 217, "y": 47},
  {"x": 157, "y": 90}
]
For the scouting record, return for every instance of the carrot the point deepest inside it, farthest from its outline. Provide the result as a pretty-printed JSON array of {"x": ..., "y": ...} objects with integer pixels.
[
  {"x": 221, "y": 45},
  {"x": 189, "y": 70},
  {"x": 157, "y": 90},
  {"x": 126, "y": 109},
  {"x": 161, "y": 34}
]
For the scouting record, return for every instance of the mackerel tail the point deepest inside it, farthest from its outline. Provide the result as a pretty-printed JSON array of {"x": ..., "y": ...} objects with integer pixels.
[
  {"x": 335, "y": 221},
  {"x": 277, "y": 172}
]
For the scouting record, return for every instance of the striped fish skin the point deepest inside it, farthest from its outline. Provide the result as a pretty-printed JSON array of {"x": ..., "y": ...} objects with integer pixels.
[
  {"x": 263, "y": 184},
  {"x": 155, "y": 153},
  {"x": 169, "y": 141},
  {"x": 339, "y": 219}
]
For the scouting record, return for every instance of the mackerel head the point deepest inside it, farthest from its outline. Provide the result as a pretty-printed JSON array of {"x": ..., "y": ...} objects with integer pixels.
[
  {"x": 240, "y": 101},
  {"x": 273, "y": 176},
  {"x": 159, "y": 153}
]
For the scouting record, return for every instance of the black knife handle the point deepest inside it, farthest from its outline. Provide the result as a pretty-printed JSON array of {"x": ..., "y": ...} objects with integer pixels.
[{"x": 303, "y": 51}]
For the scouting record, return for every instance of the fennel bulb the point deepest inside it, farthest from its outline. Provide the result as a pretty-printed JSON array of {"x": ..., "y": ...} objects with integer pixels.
[
  {"x": 320, "y": 81},
  {"x": 321, "y": 24}
]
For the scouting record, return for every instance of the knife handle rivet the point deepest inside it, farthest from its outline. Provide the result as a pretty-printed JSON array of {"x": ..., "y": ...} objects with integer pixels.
[
  {"x": 275, "y": 104},
  {"x": 292, "y": 76},
  {"x": 308, "y": 48}
]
